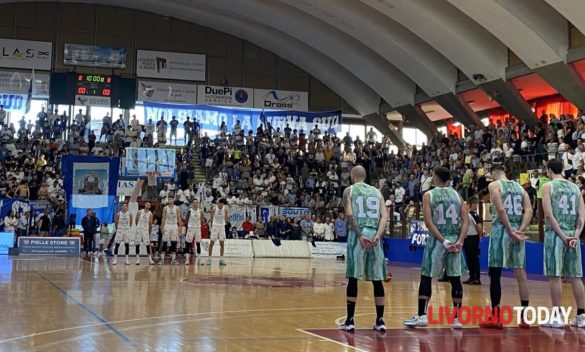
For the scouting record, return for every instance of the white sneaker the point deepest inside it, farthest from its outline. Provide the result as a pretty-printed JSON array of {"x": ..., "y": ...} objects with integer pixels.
[
  {"x": 417, "y": 321},
  {"x": 137, "y": 261},
  {"x": 456, "y": 324},
  {"x": 150, "y": 261},
  {"x": 115, "y": 261},
  {"x": 579, "y": 321},
  {"x": 554, "y": 325},
  {"x": 127, "y": 261}
]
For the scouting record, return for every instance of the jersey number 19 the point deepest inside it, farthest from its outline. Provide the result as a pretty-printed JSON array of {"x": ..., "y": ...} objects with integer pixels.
[{"x": 371, "y": 203}]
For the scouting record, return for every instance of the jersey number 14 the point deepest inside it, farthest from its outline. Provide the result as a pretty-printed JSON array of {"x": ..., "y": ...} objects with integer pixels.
[{"x": 450, "y": 213}]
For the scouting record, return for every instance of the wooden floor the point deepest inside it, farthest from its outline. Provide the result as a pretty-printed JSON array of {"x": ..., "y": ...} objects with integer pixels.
[{"x": 67, "y": 304}]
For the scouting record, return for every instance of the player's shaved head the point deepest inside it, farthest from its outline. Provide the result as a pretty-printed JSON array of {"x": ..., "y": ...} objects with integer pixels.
[{"x": 358, "y": 174}]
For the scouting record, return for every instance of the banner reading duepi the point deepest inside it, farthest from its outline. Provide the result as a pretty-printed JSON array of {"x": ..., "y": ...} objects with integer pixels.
[
  {"x": 91, "y": 183},
  {"x": 211, "y": 117}
]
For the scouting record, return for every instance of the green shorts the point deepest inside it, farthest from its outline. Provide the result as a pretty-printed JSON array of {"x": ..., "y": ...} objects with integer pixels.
[
  {"x": 362, "y": 264},
  {"x": 559, "y": 259},
  {"x": 436, "y": 259},
  {"x": 504, "y": 251}
]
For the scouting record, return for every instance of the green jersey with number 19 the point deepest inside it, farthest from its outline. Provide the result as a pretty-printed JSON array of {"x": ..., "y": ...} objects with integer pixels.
[
  {"x": 512, "y": 199},
  {"x": 365, "y": 205},
  {"x": 565, "y": 203},
  {"x": 446, "y": 208}
]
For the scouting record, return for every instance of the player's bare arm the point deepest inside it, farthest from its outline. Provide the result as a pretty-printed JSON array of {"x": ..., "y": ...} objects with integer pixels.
[
  {"x": 382, "y": 223},
  {"x": 549, "y": 215},
  {"x": 526, "y": 217},
  {"x": 212, "y": 213},
  {"x": 580, "y": 223},
  {"x": 428, "y": 218},
  {"x": 464, "y": 225},
  {"x": 164, "y": 219},
  {"x": 366, "y": 243},
  {"x": 150, "y": 221},
  {"x": 116, "y": 219},
  {"x": 496, "y": 198}
]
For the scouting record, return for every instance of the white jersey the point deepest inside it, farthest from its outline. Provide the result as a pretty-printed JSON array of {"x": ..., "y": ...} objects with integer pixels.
[
  {"x": 194, "y": 218},
  {"x": 171, "y": 219},
  {"x": 143, "y": 219},
  {"x": 124, "y": 220},
  {"x": 219, "y": 216}
]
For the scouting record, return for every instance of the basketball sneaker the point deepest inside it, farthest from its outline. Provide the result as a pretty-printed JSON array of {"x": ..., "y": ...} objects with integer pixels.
[
  {"x": 222, "y": 263},
  {"x": 137, "y": 261},
  {"x": 380, "y": 326},
  {"x": 579, "y": 321},
  {"x": 348, "y": 325},
  {"x": 200, "y": 261},
  {"x": 115, "y": 261},
  {"x": 491, "y": 325},
  {"x": 150, "y": 261},
  {"x": 127, "y": 261},
  {"x": 417, "y": 321},
  {"x": 523, "y": 324},
  {"x": 456, "y": 324},
  {"x": 174, "y": 262},
  {"x": 209, "y": 261},
  {"x": 554, "y": 325}
]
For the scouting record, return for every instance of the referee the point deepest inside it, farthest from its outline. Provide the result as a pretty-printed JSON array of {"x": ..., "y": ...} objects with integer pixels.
[{"x": 471, "y": 248}]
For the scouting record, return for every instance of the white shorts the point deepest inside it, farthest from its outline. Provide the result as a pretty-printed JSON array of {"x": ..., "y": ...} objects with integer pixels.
[
  {"x": 217, "y": 233},
  {"x": 142, "y": 235},
  {"x": 123, "y": 235},
  {"x": 170, "y": 233},
  {"x": 154, "y": 237},
  {"x": 194, "y": 233}
]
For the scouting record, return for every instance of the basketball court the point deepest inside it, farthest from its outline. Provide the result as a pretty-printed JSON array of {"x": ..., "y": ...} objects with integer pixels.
[{"x": 67, "y": 304}]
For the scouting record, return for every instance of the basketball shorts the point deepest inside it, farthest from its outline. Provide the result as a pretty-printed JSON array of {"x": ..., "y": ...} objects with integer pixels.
[
  {"x": 123, "y": 235},
  {"x": 504, "y": 251},
  {"x": 436, "y": 259},
  {"x": 559, "y": 259},
  {"x": 170, "y": 233},
  {"x": 154, "y": 237},
  {"x": 365, "y": 264},
  {"x": 194, "y": 233},
  {"x": 217, "y": 233},
  {"x": 142, "y": 235}
]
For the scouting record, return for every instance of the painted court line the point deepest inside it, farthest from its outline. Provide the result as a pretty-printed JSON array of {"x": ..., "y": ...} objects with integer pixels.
[
  {"x": 89, "y": 311},
  {"x": 331, "y": 340}
]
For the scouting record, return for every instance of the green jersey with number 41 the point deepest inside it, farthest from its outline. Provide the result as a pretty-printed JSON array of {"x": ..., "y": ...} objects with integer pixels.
[
  {"x": 565, "y": 203},
  {"x": 513, "y": 199},
  {"x": 365, "y": 205},
  {"x": 446, "y": 207}
]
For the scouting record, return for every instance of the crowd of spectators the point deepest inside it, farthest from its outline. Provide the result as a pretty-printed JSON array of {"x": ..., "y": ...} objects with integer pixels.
[{"x": 285, "y": 167}]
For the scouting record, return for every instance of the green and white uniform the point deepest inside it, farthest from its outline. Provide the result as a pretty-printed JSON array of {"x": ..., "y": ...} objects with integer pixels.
[
  {"x": 446, "y": 208},
  {"x": 365, "y": 264},
  {"x": 504, "y": 251},
  {"x": 559, "y": 259}
]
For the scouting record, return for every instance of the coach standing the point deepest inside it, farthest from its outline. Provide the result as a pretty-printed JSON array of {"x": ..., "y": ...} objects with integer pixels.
[{"x": 90, "y": 225}]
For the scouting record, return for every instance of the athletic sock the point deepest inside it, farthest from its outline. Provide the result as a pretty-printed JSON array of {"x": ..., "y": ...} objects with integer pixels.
[
  {"x": 524, "y": 304},
  {"x": 350, "y": 310},
  {"x": 379, "y": 312},
  {"x": 422, "y": 307}
]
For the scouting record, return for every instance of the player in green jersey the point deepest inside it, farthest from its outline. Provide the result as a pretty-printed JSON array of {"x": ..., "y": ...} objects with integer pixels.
[
  {"x": 512, "y": 213},
  {"x": 367, "y": 216},
  {"x": 447, "y": 219},
  {"x": 564, "y": 211}
]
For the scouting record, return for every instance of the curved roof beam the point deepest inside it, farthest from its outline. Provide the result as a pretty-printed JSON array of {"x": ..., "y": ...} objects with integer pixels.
[
  {"x": 419, "y": 61},
  {"x": 467, "y": 45},
  {"x": 388, "y": 82},
  {"x": 573, "y": 10},
  {"x": 531, "y": 29}
]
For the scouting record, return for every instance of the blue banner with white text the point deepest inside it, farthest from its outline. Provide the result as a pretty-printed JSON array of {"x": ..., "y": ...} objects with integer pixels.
[
  {"x": 91, "y": 183},
  {"x": 211, "y": 117}
]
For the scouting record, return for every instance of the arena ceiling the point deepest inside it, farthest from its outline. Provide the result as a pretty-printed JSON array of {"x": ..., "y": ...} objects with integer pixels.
[{"x": 375, "y": 53}]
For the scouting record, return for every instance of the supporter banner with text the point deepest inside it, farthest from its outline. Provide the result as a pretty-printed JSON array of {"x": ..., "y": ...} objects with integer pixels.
[
  {"x": 294, "y": 212},
  {"x": 237, "y": 215},
  {"x": 418, "y": 233},
  {"x": 16, "y": 205},
  {"x": 91, "y": 183},
  {"x": 12, "y": 82},
  {"x": 210, "y": 117},
  {"x": 268, "y": 211}
]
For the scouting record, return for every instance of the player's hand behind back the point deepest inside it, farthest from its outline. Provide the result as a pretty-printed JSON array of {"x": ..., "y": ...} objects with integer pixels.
[
  {"x": 519, "y": 235},
  {"x": 365, "y": 242}
]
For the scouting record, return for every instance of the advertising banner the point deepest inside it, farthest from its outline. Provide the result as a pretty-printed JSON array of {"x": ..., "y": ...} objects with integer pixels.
[
  {"x": 26, "y": 54},
  {"x": 418, "y": 233},
  {"x": 233, "y": 248},
  {"x": 166, "y": 92},
  {"x": 126, "y": 188},
  {"x": 49, "y": 246},
  {"x": 94, "y": 56},
  {"x": 139, "y": 161},
  {"x": 91, "y": 183},
  {"x": 281, "y": 100},
  {"x": 225, "y": 96},
  {"x": 294, "y": 212},
  {"x": 14, "y": 102},
  {"x": 328, "y": 249},
  {"x": 12, "y": 82},
  {"x": 210, "y": 117},
  {"x": 88, "y": 100},
  {"x": 168, "y": 65}
]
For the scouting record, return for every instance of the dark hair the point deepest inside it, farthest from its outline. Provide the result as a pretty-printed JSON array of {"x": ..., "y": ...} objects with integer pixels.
[
  {"x": 556, "y": 166},
  {"x": 498, "y": 168},
  {"x": 442, "y": 173}
]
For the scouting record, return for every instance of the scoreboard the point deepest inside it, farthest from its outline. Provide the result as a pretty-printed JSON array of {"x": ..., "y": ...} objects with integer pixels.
[{"x": 93, "y": 90}]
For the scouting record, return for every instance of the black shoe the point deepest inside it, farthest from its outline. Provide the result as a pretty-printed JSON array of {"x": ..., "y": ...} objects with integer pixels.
[
  {"x": 476, "y": 282},
  {"x": 347, "y": 326},
  {"x": 468, "y": 282},
  {"x": 380, "y": 326}
]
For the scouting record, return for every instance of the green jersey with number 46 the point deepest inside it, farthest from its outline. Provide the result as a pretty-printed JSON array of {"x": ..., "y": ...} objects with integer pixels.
[
  {"x": 365, "y": 205},
  {"x": 446, "y": 207},
  {"x": 565, "y": 203},
  {"x": 512, "y": 199}
]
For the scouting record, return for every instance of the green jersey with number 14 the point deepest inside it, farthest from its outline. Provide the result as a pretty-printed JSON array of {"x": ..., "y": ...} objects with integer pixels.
[
  {"x": 365, "y": 205},
  {"x": 512, "y": 199},
  {"x": 446, "y": 208},
  {"x": 565, "y": 203}
]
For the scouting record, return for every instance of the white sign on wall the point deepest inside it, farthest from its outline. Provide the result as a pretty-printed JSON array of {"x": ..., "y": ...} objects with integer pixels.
[
  {"x": 88, "y": 100},
  {"x": 12, "y": 82},
  {"x": 225, "y": 96},
  {"x": 25, "y": 54},
  {"x": 167, "y": 92},
  {"x": 126, "y": 188},
  {"x": 281, "y": 100},
  {"x": 167, "y": 65}
]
